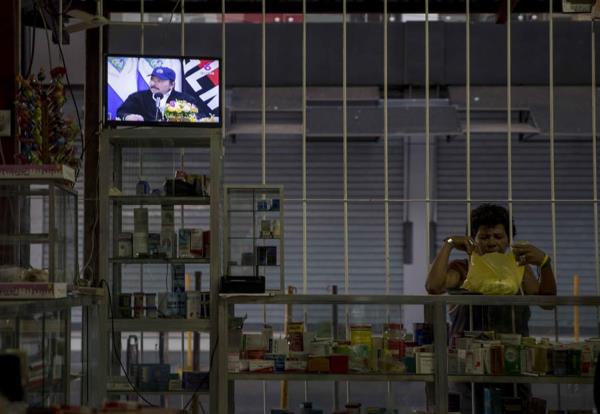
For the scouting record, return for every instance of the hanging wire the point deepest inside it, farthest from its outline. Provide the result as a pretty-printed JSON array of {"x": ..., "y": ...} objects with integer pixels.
[
  {"x": 427, "y": 142},
  {"x": 468, "y": 112},
  {"x": 264, "y": 96},
  {"x": 595, "y": 166},
  {"x": 509, "y": 115}
]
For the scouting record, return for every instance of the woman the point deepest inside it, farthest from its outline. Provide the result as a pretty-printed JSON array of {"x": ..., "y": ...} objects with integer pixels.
[{"x": 490, "y": 226}]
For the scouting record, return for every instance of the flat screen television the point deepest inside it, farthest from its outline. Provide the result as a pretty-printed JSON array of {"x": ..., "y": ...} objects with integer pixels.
[{"x": 162, "y": 91}]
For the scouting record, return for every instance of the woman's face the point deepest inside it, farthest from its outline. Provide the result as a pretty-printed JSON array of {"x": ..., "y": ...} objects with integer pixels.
[{"x": 492, "y": 239}]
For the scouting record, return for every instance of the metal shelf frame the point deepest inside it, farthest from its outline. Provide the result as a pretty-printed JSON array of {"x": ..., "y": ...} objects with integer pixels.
[
  {"x": 254, "y": 192},
  {"x": 159, "y": 200},
  {"x": 439, "y": 304},
  {"x": 161, "y": 325},
  {"x": 61, "y": 243},
  {"x": 49, "y": 318},
  {"x": 112, "y": 143}
]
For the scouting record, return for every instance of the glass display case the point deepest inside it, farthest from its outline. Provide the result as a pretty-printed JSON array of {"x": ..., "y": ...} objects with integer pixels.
[
  {"x": 38, "y": 231},
  {"x": 253, "y": 243},
  {"x": 39, "y": 332}
]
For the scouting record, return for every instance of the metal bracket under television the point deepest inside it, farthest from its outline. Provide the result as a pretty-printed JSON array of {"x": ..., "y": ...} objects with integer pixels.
[{"x": 253, "y": 239}]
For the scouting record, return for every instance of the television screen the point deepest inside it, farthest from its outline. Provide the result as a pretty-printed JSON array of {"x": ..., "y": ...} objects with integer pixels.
[{"x": 157, "y": 90}]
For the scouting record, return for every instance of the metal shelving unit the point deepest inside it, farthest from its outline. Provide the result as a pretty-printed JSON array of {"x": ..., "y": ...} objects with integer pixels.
[
  {"x": 243, "y": 232},
  {"x": 438, "y": 305},
  {"x": 113, "y": 142}
]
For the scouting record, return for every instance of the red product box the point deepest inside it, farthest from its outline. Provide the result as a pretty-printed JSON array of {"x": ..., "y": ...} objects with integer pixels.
[{"x": 338, "y": 364}]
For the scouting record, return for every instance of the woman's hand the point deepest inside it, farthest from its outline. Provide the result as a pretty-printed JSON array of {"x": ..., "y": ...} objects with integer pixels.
[
  {"x": 526, "y": 253},
  {"x": 463, "y": 243}
]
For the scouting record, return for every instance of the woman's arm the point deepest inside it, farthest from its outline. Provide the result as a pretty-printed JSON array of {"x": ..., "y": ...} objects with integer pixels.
[
  {"x": 546, "y": 284},
  {"x": 440, "y": 278}
]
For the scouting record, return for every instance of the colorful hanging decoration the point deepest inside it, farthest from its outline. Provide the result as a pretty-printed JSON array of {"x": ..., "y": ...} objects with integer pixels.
[{"x": 45, "y": 136}]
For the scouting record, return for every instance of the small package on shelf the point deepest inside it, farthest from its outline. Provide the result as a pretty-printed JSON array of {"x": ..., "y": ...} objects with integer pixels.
[
  {"x": 178, "y": 278},
  {"x": 168, "y": 243},
  {"x": 278, "y": 361},
  {"x": 125, "y": 245},
  {"x": 140, "y": 244},
  {"x": 154, "y": 244},
  {"x": 267, "y": 255},
  {"x": 197, "y": 243},
  {"x": 318, "y": 364},
  {"x": 124, "y": 309},
  {"x": 195, "y": 380},
  {"x": 295, "y": 365},
  {"x": 184, "y": 243},
  {"x": 261, "y": 365},
  {"x": 152, "y": 377},
  {"x": 193, "y": 304}
]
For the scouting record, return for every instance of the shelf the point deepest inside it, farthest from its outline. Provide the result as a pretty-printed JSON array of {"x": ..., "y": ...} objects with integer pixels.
[
  {"x": 14, "y": 308},
  {"x": 254, "y": 238},
  {"x": 166, "y": 393},
  {"x": 521, "y": 379},
  {"x": 159, "y": 137},
  {"x": 25, "y": 238},
  {"x": 131, "y": 260},
  {"x": 161, "y": 325},
  {"x": 159, "y": 200},
  {"x": 252, "y": 211},
  {"x": 302, "y": 376},
  {"x": 490, "y": 300}
]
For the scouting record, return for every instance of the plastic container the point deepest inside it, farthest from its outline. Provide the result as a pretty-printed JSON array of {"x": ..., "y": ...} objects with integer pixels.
[
  {"x": 393, "y": 340},
  {"x": 361, "y": 335}
]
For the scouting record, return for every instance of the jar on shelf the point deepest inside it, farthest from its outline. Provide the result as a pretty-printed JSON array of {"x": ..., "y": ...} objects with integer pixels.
[
  {"x": 361, "y": 335},
  {"x": 393, "y": 340}
]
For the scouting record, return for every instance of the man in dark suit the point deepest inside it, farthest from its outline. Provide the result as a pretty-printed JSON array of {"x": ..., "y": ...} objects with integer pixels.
[{"x": 149, "y": 105}]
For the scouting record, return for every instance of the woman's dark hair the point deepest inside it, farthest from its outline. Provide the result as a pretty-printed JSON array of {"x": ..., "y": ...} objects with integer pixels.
[{"x": 490, "y": 215}]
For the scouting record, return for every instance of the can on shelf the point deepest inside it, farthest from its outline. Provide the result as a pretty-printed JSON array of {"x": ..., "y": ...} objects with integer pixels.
[
  {"x": 124, "y": 310},
  {"x": 151, "y": 311},
  {"x": 205, "y": 305},
  {"x": 361, "y": 335},
  {"x": 296, "y": 336},
  {"x": 138, "y": 305},
  {"x": 193, "y": 304},
  {"x": 125, "y": 245}
]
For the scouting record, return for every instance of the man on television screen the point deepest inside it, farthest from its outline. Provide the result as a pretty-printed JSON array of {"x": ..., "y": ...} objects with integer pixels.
[{"x": 160, "y": 103}]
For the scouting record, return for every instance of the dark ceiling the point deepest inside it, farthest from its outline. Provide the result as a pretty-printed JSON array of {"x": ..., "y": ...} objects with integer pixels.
[{"x": 322, "y": 6}]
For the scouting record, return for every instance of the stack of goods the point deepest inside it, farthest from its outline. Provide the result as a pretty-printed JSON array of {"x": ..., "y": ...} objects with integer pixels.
[
  {"x": 191, "y": 243},
  {"x": 302, "y": 351},
  {"x": 485, "y": 353},
  {"x": 179, "y": 303},
  {"x": 187, "y": 185},
  {"x": 350, "y": 408}
]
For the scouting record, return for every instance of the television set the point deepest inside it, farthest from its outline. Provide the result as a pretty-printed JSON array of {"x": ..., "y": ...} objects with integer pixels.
[{"x": 162, "y": 91}]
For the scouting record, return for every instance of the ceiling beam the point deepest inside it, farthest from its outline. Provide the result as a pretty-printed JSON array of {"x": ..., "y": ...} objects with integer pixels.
[{"x": 329, "y": 6}]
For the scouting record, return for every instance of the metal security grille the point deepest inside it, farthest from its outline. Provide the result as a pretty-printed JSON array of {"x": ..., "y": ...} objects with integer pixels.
[{"x": 346, "y": 198}]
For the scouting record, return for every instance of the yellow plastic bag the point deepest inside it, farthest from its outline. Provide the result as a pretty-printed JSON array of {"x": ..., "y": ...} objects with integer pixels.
[{"x": 494, "y": 274}]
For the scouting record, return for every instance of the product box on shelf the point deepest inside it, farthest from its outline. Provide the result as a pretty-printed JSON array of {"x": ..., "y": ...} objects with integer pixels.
[
  {"x": 261, "y": 365},
  {"x": 152, "y": 377},
  {"x": 36, "y": 172},
  {"x": 33, "y": 290},
  {"x": 195, "y": 380}
]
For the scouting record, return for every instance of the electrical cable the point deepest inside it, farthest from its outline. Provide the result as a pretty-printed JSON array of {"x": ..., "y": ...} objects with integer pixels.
[
  {"x": 173, "y": 11},
  {"x": 201, "y": 384},
  {"x": 33, "y": 30},
  {"x": 62, "y": 57},
  {"x": 41, "y": 12},
  {"x": 115, "y": 349}
]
